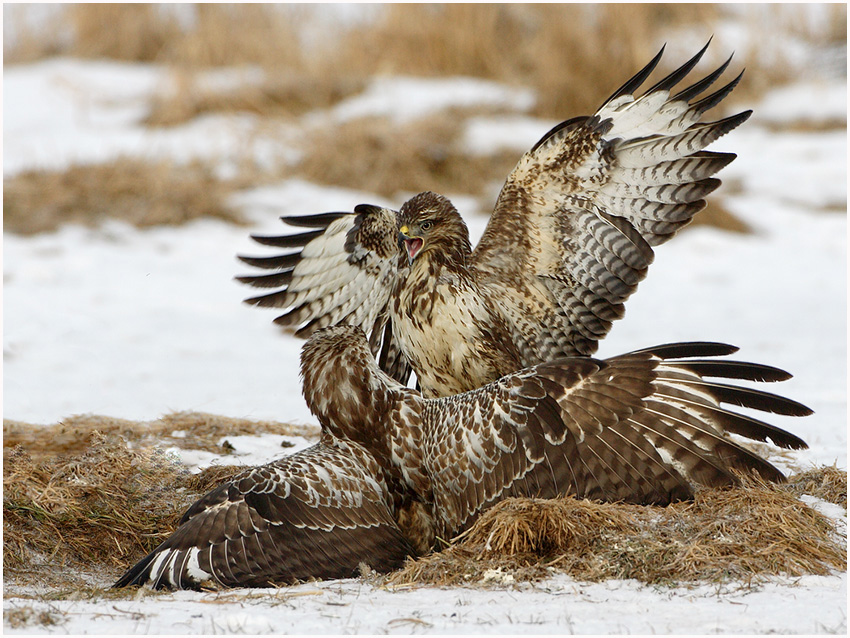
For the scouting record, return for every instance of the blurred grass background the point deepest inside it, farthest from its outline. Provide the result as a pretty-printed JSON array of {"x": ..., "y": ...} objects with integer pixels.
[{"x": 314, "y": 56}]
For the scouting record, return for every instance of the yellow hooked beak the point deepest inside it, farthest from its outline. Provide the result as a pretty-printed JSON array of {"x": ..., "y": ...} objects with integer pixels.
[{"x": 412, "y": 245}]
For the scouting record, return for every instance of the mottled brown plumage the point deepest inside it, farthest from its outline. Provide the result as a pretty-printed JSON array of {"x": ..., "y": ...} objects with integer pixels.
[
  {"x": 319, "y": 513},
  {"x": 644, "y": 427},
  {"x": 569, "y": 240},
  {"x": 395, "y": 472}
]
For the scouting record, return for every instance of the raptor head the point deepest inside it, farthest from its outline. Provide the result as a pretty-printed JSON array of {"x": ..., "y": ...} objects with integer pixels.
[
  {"x": 429, "y": 224},
  {"x": 342, "y": 383}
]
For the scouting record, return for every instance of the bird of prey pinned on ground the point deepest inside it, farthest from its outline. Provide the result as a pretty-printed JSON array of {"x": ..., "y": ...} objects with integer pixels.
[
  {"x": 570, "y": 238},
  {"x": 396, "y": 472}
]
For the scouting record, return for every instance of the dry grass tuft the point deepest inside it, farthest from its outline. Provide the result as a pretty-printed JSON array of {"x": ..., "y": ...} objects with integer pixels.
[
  {"x": 98, "y": 507},
  {"x": 277, "y": 96},
  {"x": 131, "y": 31},
  {"x": 724, "y": 534},
  {"x": 379, "y": 156},
  {"x": 18, "y": 617},
  {"x": 551, "y": 47},
  {"x": 96, "y": 492},
  {"x": 194, "y": 430},
  {"x": 142, "y": 193},
  {"x": 198, "y": 36},
  {"x": 827, "y": 483}
]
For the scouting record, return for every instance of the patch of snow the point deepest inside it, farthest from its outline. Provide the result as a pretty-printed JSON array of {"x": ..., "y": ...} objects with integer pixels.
[
  {"x": 832, "y": 510},
  {"x": 403, "y": 99},
  {"x": 487, "y": 135},
  {"x": 64, "y": 111},
  {"x": 806, "y": 102},
  {"x": 808, "y": 170},
  {"x": 557, "y": 605}
]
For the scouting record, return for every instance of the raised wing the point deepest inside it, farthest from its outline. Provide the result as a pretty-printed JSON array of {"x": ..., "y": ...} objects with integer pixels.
[
  {"x": 644, "y": 427},
  {"x": 341, "y": 271},
  {"x": 316, "y": 514},
  {"x": 573, "y": 228}
]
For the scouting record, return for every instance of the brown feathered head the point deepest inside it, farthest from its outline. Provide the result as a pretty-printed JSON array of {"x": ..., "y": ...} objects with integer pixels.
[
  {"x": 342, "y": 384},
  {"x": 431, "y": 227}
]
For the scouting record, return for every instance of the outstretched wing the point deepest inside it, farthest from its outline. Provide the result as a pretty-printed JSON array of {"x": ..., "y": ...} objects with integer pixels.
[
  {"x": 644, "y": 427},
  {"x": 573, "y": 228},
  {"x": 341, "y": 271},
  {"x": 315, "y": 514}
]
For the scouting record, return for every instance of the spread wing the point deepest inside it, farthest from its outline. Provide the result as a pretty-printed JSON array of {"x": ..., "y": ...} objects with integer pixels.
[
  {"x": 316, "y": 514},
  {"x": 574, "y": 226},
  {"x": 643, "y": 427},
  {"x": 341, "y": 271}
]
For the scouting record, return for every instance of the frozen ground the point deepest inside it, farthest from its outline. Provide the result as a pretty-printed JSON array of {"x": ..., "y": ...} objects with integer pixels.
[
  {"x": 809, "y": 605},
  {"x": 135, "y": 324}
]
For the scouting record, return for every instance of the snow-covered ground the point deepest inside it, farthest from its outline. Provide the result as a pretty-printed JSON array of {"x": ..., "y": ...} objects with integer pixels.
[
  {"x": 136, "y": 323},
  {"x": 809, "y": 605}
]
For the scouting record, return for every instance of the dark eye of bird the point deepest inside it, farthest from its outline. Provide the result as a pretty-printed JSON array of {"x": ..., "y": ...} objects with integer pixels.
[{"x": 426, "y": 225}]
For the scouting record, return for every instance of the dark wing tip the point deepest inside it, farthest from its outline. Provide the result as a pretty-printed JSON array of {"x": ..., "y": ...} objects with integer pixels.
[
  {"x": 758, "y": 400},
  {"x": 271, "y": 263},
  {"x": 138, "y": 574},
  {"x": 671, "y": 80},
  {"x": 320, "y": 220},
  {"x": 737, "y": 370},
  {"x": 273, "y": 280},
  {"x": 272, "y": 300},
  {"x": 633, "y": 83},
  {"x": 715, "y": 98},
  {"x": 698, "y": 87},
  {"x": 297, "y": 240},
  {"x": 686, "y": 349}
]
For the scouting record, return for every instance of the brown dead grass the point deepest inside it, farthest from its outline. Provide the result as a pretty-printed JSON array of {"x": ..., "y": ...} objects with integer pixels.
[
  {"x": 742, "y": 534},
  {"x": 380, "y": 156},
  {"x": 827, "y": 483},
  {"x": 142, "y": 193},
  {"x": 97, "y": 507},
  {"x": 214, "y": 35},
  {"x": 198, "y": 431},
  {"x": 277, "y": 96},
  {"x": 554, "y": 48}
]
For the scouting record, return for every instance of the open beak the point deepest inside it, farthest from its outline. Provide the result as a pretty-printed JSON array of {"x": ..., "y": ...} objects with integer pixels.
[{"x": 412, "y": 245}]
